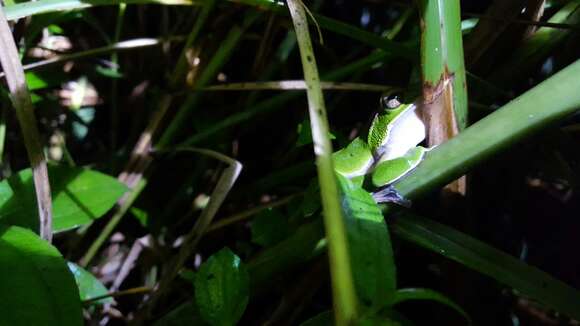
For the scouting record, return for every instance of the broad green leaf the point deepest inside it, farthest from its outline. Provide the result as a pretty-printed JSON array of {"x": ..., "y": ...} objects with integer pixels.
[
  {"x": 425, "y": 294},
  {"x": 222, "y": 288},
  {"x": 78, "y": 196},
  {"x": 369, "y": 244},
  {"x": 269, "y": 227},
  {"x": 36, "y": 287},
  {"x": 487, "y": 260},
  {"x": 89, "y": 286}
]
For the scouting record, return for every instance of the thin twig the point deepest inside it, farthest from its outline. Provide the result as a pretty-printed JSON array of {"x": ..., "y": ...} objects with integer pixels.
[
  {"x": 298, "y": 84},
  {"x": 20, "y": 97},
  {"x": 133, "y": 44},
  {"x": 137, "y": 290}
]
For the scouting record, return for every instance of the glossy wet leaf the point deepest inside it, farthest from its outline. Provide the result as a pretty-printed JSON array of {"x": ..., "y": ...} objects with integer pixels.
[
  {"x": 79, "y": 196},
  {"x": 222, "y": 288},
  {"x": 487, "y": 260},
  {"x": 36, "y": 287},
  {"x": 369, "y": 245},
  {"x": 89, "y": 286}
]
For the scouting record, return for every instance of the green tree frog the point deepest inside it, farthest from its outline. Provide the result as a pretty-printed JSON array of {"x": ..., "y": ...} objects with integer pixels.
[{"x": 389, "y": 153}]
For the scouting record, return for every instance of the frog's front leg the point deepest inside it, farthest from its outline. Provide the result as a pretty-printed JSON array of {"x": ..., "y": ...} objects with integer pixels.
[
  {"x": 388, "y": 194},
  {"x": 388, "y": 172}
]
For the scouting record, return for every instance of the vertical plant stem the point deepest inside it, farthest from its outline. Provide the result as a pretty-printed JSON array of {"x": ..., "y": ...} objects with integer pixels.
[
  {"x": 344, "y": 296},
  {"x": 20, "y": 97},
  {"x": 443, "y": 72}
]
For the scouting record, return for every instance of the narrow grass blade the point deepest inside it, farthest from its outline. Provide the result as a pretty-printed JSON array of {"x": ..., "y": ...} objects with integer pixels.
[{"x": 298, "y": 84}]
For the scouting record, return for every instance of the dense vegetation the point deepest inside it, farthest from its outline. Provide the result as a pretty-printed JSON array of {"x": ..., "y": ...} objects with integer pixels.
[{"x": 179, "y": 140}]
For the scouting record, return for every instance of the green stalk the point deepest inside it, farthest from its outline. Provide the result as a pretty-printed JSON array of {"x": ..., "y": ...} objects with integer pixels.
[
  {"x": 444, "y": 88},
  {"x": 344, "y": 295}
]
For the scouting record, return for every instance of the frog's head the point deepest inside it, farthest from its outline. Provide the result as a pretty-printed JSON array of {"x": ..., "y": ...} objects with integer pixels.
[
  {"x": 398, "y": 128},
  {"x": 390, "y": 101}
]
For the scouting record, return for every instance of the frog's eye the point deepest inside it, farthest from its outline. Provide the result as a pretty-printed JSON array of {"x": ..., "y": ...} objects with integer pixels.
[{"x": 390, "y": 102}]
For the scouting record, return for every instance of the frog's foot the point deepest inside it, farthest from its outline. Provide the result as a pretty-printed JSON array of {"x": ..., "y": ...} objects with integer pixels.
[{"x": 389, "y": 194}]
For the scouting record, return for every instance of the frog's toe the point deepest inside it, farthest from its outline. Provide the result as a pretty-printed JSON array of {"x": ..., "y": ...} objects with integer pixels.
[{"x": 389, "y": 194}]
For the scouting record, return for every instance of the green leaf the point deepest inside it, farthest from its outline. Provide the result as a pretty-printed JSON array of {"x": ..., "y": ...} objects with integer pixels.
[
  {"x": 89, "y": 286},
  {"x": 222, "y": 288},
  {"x": 78, "y": 196},
  {"x": 369, "y": 244},
  {"x": 269, "y": 227},
  {"x": 426, "y": 294},
  {"x": 36, "y": 287},
  {"x": 487, "y": 260}
]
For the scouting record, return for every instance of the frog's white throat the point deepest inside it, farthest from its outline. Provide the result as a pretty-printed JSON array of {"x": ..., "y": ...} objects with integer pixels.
[{"x": 405, "y": 133}]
